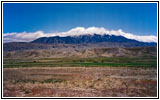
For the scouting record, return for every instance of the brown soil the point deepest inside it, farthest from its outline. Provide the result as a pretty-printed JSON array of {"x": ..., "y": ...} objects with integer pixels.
[{"x": 80, "y": 82}]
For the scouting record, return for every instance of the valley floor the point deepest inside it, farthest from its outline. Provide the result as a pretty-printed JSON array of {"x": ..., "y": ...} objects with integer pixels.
[{"x": 80, "y": 82}]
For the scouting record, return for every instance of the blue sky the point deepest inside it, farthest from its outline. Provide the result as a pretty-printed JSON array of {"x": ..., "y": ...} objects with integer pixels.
[{"x": 136, "y": 18}]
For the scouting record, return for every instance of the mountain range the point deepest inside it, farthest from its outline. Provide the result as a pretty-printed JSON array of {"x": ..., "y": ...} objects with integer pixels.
[
  {"x": 81, "y": 41},
  {"x": 79, "y": 46},
  {"x": 84, "y": 39}
]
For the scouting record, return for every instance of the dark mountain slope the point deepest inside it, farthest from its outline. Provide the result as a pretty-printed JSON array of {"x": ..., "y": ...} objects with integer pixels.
[
  {"x": 93, "y": 39},
  {"x": 83, "y": 39}
]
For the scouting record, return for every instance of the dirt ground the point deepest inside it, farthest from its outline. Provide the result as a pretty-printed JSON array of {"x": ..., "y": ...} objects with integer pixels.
[{"x": 80, "y": 82}]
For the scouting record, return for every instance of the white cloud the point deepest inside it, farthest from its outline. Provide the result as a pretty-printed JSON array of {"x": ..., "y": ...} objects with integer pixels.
[{"x": 27, "y": 37}]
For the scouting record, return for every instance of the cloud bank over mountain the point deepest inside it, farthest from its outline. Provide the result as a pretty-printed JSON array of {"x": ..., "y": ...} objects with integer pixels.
[{"x": 27, "y": 37}]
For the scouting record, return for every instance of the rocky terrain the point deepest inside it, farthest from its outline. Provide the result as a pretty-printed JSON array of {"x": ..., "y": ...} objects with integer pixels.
[{"x": 81, "y": 52}]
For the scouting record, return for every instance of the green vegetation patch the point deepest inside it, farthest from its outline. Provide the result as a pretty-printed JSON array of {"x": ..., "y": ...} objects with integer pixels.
[
  {"x": 53, "y": 80},
  {"x": 82, "y": 62}
]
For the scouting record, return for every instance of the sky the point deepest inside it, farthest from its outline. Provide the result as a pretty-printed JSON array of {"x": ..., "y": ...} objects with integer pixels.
[{"x": 138, "y": 19}]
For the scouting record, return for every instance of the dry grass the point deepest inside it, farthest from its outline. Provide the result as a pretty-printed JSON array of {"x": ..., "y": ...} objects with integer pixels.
[{"x": 80, "y": 82}]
